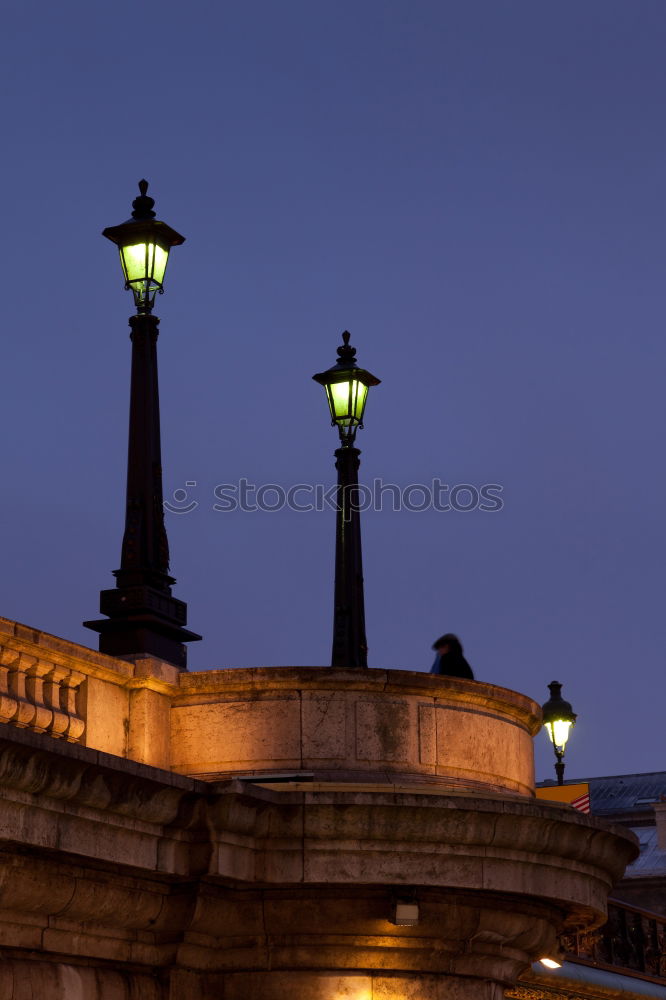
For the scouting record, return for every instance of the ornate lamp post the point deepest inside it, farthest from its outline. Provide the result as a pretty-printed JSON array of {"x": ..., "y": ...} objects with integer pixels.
[
  {"x": 558, "y": 718},
  {"x": 143, "y": 618},
  {"x": 347, "y": 391}
]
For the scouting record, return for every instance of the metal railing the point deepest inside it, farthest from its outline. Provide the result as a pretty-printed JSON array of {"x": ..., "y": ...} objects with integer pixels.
[{"x": 632, "y": 940}]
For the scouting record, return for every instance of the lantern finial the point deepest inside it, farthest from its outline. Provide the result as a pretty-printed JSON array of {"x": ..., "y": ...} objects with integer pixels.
[
  {"x": 346, "y": 354},
  {"x": 143, "y": 205}
]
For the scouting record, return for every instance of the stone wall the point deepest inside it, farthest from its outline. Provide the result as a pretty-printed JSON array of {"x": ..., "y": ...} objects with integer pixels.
[
  {"x": 118, "y": 880},
  {"x": 377, "y": 726},
  {"x": 359, "y": 726},
  {"x": 247, "y": 833}
]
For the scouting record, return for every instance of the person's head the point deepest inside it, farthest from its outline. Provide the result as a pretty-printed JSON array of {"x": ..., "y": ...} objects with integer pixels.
[{"x": 448, "y": 643}]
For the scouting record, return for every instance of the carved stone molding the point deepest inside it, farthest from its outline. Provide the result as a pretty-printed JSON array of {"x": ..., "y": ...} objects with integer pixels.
[
  {"x": 131, "y": 863},
  {"x": 38, "y": 694}
]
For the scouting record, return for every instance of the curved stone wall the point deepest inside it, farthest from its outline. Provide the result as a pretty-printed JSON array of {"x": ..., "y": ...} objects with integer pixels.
[
  {"x": 232, "y": 890},
  {"x": 363, "y": 726}
]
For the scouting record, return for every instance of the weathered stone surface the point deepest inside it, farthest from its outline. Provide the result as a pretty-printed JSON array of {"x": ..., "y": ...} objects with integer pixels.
[
  {"x": 25, "y": 980},
  {"x": 149, "y": 736},
  {"x": 398, "y": 724},
  {"x": 125, "y": 879},
  {"x": 325, "y": 737},
  {"x": 311, "y": 986},
  {"x": 106, "y": 706},
  {"x": 237, "y": 736}
]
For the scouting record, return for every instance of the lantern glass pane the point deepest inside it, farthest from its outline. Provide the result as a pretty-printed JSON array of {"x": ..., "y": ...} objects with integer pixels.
[
  {"x": 360, "y": 396},
  {"x": 159, "y": 263},
  {"x": 134, "y": 262},
  {"x": 144, "y": 262},
  {"x": 558, "y": 732},
  {"x": 339, "y": 402},
  {"x": 347, "y": 401}
]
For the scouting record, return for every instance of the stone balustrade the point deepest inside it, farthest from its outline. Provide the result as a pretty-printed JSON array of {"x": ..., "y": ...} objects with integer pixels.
[{"x": 41, "y": 695}]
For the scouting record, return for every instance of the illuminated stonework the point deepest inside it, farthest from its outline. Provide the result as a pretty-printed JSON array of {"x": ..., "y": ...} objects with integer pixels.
[{"x": 245, "y": 833}]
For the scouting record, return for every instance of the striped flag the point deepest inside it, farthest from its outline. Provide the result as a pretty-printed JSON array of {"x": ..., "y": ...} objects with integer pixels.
[
  {"x": 582, "y": 803},
  {"x": 576, "y": 795}
]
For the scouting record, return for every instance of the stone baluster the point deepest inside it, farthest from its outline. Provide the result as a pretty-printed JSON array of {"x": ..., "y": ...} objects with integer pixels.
[
  {"x": 70, "y": 701},
  {"x": 8, "y": 703},
  {"x": 25, "y": 712},
  {"x": 34, "y": 686},
  {"x": 53, "y": 697}
]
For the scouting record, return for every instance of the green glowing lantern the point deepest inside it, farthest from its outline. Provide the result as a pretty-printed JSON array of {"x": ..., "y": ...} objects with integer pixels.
[
  {"x": 558, "y": 717},
  {"x": 346, "y": 390},
  {"x": 144, "y": 244}
]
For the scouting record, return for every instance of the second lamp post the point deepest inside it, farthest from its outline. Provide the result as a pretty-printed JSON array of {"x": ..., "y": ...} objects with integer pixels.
[{"x": 347, "y": 391}]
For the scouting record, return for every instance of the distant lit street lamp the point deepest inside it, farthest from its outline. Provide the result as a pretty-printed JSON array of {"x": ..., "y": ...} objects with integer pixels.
[
  {"x": 143, "y": 618},
  {"x": 347, "y": 391},
  {"x": 558, "y": 718}
]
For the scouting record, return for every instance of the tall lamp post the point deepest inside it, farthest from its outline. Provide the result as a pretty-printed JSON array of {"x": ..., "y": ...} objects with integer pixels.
[
  {"x": 558, "y": 719},
  {"x": 143, "y": 618},
  {"x": 347, "y": 391}
]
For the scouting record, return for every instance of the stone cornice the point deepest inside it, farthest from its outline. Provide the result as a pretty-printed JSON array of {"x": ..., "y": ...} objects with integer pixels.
[
  {"x": 120, "y": 861},
  {"x": 258, "y": 835}
]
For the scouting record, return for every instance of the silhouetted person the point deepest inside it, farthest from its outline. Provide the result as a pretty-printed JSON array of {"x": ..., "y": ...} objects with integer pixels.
[{"x": 449, "y": 660}]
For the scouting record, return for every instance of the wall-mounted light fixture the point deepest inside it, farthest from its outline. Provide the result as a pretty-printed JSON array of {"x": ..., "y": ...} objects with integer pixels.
[{"x": 405, "y": 913}]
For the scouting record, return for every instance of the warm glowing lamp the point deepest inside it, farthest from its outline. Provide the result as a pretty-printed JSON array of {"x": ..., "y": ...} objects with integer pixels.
[
  {"x": 346, "y": 388},
  {"x": 558, "y": 718},
  {"x": 144, "y": 244}
]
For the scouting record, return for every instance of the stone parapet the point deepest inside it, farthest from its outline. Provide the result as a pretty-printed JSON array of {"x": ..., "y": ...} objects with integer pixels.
[
  {"x": 396, "y": 726},
  {"x": 390, "y": 727},
  {"x": 51, "y": 685},
  {"x": 39, "y": 688}
]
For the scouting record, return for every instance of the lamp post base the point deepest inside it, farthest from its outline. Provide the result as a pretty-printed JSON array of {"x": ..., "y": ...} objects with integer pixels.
[{"x": 143, "y": 621}]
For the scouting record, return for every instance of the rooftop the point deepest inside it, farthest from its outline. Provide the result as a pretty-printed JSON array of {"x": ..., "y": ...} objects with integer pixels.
[
  {"x": 651, "y": 861},
  {"x": 622, "y": 793}
]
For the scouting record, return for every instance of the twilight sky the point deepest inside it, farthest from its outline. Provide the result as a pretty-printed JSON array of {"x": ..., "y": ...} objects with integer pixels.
[{"x": 475, "y": 189}]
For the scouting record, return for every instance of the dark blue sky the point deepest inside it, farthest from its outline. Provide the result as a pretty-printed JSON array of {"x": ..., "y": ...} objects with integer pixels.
[{"x": 474, "y": 189}]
